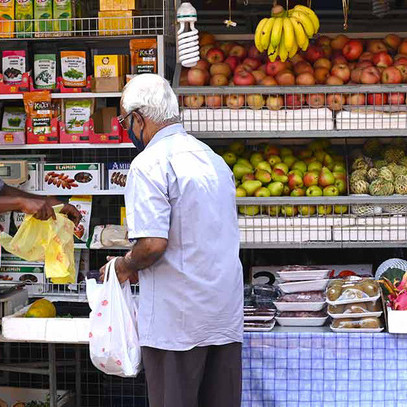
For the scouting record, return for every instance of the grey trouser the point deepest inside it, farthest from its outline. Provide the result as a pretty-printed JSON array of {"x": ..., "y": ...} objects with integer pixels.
[{"x": 208, "y": 376}]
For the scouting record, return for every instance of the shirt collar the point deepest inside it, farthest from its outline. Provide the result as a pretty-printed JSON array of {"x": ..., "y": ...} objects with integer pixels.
[{"x": 165, "y": 132}]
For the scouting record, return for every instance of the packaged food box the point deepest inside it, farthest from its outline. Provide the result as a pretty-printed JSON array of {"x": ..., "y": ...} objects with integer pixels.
[
  {"x": 143, "y": 53},
  {"x": 13, "y": 66},
  {"x": 31, "y": 273},
  {"x": 43, "y": 17},
  {"x": 84, "y": 205},
  {"x": 302, "y": 318},
  {"x": 108, "y": 5},
  {"x": 352, "y": 290},
  {"x": 45, "y": 71},
  {"x": 24, "y": 12},
  {"x": 107, "y": 66},
  {"x": 7, "y": 19},
  {"x": 73, "y": 68},
  {"x": 298, "y": 286},
  {"x": 367, "y": 324},
  {"x": 116, "y": 22},
  {"x": 13, "y": 119},
  {"x": 5, "y": 219},
  {"x": 62, "y": 14},
  {"x": 356, "y": 310},
  {"x": 117, "y": 175},
  {"x": 83, "y": 178}
]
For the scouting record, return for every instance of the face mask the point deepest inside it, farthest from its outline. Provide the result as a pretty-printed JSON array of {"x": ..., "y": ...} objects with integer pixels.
[{"x": 139, "y": 144}]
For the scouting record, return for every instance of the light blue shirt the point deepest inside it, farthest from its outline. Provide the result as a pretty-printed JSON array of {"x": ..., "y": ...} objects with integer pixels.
[{"x": 180, "y": 190}]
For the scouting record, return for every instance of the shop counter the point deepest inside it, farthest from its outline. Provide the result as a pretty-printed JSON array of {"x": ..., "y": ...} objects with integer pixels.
[{"x": 315, "y": 367}]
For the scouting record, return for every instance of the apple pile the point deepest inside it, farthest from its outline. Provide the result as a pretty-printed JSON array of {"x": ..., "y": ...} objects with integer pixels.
[
  {"x": 328, "y": 61},
  {"x": 312, "y": 171}
]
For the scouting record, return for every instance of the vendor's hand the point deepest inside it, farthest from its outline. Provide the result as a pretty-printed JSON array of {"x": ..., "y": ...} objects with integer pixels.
[
  {"x": 40, "y": 208},
  {"x": 73, "y": 214},
  {"x": 122, "y": 272}
]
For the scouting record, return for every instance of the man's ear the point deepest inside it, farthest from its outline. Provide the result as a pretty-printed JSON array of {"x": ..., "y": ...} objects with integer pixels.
[{"x": 138, "y": 118}]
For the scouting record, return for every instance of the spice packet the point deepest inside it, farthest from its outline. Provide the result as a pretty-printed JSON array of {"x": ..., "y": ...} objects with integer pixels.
[
  {"x": 83, "y": 203},
  {"x": 13, "y": 66},
  {"x": 38, "y": 108},
  {"x": 77, "y": 113},
  {"x": 143, "y": 53},
  {"x": 13, "y": 118},
  {"x": 45, "y": 72},
  {"x": 73, "y": 68}
]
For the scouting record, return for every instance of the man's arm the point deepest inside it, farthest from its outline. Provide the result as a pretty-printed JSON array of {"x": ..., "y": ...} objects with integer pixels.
[{"x": 144, "y": 254}]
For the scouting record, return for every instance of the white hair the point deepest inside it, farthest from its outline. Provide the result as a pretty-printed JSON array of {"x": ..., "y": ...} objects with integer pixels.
[{"x": 152, "y": 96}]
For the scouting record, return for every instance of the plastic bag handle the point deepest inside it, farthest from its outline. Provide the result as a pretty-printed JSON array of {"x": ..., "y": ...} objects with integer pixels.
[{"x": 111, "y": 267}]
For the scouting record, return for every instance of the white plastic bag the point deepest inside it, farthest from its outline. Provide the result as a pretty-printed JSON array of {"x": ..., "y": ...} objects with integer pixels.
[{"x": 113, "y": 338}]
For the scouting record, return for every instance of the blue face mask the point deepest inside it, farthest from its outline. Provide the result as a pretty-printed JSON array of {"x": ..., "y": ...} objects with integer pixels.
[{"x": 139, "y": 144}]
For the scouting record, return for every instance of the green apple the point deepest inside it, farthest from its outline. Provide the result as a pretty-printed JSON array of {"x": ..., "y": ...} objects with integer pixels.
[
  {"x": 256, "y": 158},
  {"x": 315, "y": 166},
  {"x": 230, "y": 158},
  {"x": 285, "y": 151},
  {"x": 273, "y": 210},
  {"x": 240, "y": 192},
  {"x": 331, "y": 190},
  {"x": 282, "y": 166},
  {"x": 262, "y": 192},
  {"x": 251, "y": 186},
  {"x": 264, "y": 165},
  {"x": 245, "y": 162},
  {"x": 301, "y": 166},
  {"x": 311, "y": 178},
  {"x": 340, "y": 209},
  {"x": 289, "y": 160},
  {"x": 249, "y": 210},
  {"x": 239, "y": 170},
  {"x": 237, "y": 147},
  {"x": 324, "y": 209},
  {"x": 314, "y": 190},
  {"x": 276, "y": 188},
  {"x": 273, "y": 160},
  {"x": 289, "y": 210},
  {"x": 307, "y": 210},
  {"x": 341, "y": 185},
  {"x": 263, "y": 176}
]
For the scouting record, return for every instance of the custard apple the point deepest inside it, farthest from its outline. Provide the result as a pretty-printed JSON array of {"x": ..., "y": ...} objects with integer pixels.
[
  {"x": 379, "y": 164},
  {"x": 359, "y": 187},
  {"x": 386, "y": 174},
  {"x": 360, "y": 164},
  {"x": 372, "y": 174},
  {"x": 397, "y": 169},
  {"x": 372, "y": 147},
  {"x": 359, "y": 174},
  {"x": 403, "y": 161},
  {"x": 393, "y": 154},
  {"x": 381, "y": 187},
  {"x": 400, "y": 185}
]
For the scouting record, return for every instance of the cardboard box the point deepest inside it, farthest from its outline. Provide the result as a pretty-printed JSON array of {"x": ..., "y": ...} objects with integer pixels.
[
  {"x": 68, "y": 138},
  {"x": 81, "y": 178},
  {"x": 117, "y": 175},
  {"x": 48, "y": 138},
  {"x": 107, "y": 66},
  {"x": 12, "y": 137},
  {"x": 105, "y": 126},
  {"x": 24, "y": 272},
  {"x": 116, "y": 22},
  {"x": 102, "y": 85},
  {"x": 108, "y": 5},
  {"x": 34, "y": 177},
  {"x": 396, "y": 321}
]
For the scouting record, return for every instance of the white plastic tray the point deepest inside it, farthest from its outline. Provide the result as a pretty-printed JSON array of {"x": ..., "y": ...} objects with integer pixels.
[
  {"x": 355, "y": 301},
  {"x": 360, "y": 315},
  {"x": 306, "y": 275},
  {"x": 284, "y": 321},
  {"x": 356, "y": 330},
  {"x": 258, "y": 329},
  {"x": 298, "y": 286},
  {"x": 253, "y": 318},
  {"x": 299, "y": 306}
]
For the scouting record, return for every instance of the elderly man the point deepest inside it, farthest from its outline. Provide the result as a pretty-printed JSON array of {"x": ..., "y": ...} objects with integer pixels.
[{"x": 180, "y": 204}]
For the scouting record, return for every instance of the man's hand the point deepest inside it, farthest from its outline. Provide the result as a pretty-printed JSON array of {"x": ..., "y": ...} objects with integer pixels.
[
  {"x": 73, "y": 214},
  {"x": 40, "y": 208},
  {"x": 122, "y": 271}
]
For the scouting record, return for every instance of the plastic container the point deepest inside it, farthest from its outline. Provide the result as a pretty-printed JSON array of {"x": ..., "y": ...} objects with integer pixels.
[
  {"x": 352, "y": 290},
  {"x": 299, "y": 306},
  {"x": 367, "y": 324},
  {"x": 357, "y": 310},
  {"x": 295, "y": 287},
  {"x": 305, "y": 321},
  {"x": 302, "y": 275},
  {"x": 259, "y": 327}
]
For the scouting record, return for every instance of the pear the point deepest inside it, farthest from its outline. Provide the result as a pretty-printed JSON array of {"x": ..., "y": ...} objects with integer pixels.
[
  {"x": 286, "y": 190},
  {"x": 256, "y": 158},
  {"x": 320, "y": 155},
  {"x": 240, "y": 192},
  {"x": 237, "y": 147},
  {"x": 273, "y": 160},
  {"x": 315, "y": 166},
  {"x": 264, "y": 165},
  {"x": 326, "y": 177},
  {"x": 288, "y": 210},
  {"x": 245, "y": 162},
  {"x": 237, "y": 183},
  {"x": 263, "y": 176},
  {"x": 247, "y": 177},
  {"x": 285, "y": 151},
  {"x": 240, "y": 170},
  {"x": 273, "y": 210},
  {"x": 279, "y": 176},
  {"x": 300, "y": 166},
  {"x": 249, "y": 210},
  {"x": 289, "y": 160},
  {"x": 276, "y": 188},
  {"x": 262, "y": 192},
  {"x": 230, "y": 158},
  {"x": 283, "y": 167},
  {"x": 307, "y": 210},
  {"x": 251, "y": 186},
  {"x": 340, "y": 209}
]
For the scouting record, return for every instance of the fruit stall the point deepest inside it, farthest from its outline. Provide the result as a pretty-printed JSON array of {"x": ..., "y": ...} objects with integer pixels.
[{"x": 312, "y": 121}]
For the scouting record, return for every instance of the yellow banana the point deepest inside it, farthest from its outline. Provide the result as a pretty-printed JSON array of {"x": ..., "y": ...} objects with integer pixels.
[
  {"x": 300, "y": 35},
  {"x": 305, "y": 21},
  {"x": 293, "y": 50},
  {"x": 283, "y": 52},
  {"x": 288, "y": 32},
  {"x": 311, "y": 14},
  {"x": 277, "y": 31},
  {"x": 270, "y": 50},
  {"x": 306, "y": 44},
  {"x": 266, "y": 33},
  {"x": 273, "y": 55},
  {"x": 257, "y": 35}
]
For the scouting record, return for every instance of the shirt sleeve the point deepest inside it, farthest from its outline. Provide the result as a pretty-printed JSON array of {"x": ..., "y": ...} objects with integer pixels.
[
  {"x": 1, "y": 185},
  {"x": 148, "y": 209}
]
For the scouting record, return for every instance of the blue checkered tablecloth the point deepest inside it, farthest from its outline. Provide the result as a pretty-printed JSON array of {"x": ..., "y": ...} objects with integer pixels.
[{"x": 324, "y": 370}]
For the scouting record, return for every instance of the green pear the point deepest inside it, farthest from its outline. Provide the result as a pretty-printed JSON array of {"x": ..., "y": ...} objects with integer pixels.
[
  {"x": 326, "y": 177},
  {"x": 315, "y": 166},
  {"x": 340, "y": 209},
  {"x": 320, "y": 155},
  {"x": 301, "y": 166},
  {"x": 307, "y": 210},
  {"x": 276, "y": 188},
  {"x": 324, "y": 209},
  {"x": 245, "y": 162},
  {"x": 313, "y": 190},
  {"x": 230, "y": 158},
  {"x": 247, "y": 177},
  {"x": 282, "y": 166},
  {"x": 249, "y": 210},
  {"x": 289, "y": 160},
  {"x": 338, "y": 167},
  {"x": 296, "y": 172},
  {"x": 237, "y": 182},
  {"x": 289, "y": 210},
  {"x": 273, "y": 210},
  {"x": 237, "y": 147},
  {"x": 240, "y": 170},
  {"x": 264, "y": 165},
  {"x": 240, "y": 192},
  {"x": 286, "y": 151},
  {"x": 262, "y": 192},
  {"x": 273, "y": 160},
  {"x": 286, "y": 190},
  {"x": 251, "y": 186},
  {"x": 279, "y": 176},
  {"x": 255, "y": 159},
  {"x": 263, "y": 176}
]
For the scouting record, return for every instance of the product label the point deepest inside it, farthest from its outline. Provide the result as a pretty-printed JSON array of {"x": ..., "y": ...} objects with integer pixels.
[
  {"x": 43, "y": 11},
  {"x": 117, "y": 175},
  {"x": 45, "y": 71},
  {"x": 13, "y": 66},
  {"x": 73, "y": 69},
  {"x": 63, "y": 12}
]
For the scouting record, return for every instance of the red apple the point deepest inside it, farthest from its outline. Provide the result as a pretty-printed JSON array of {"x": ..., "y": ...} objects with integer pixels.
[
  {"x": 401, "y": 61},
  {"x": 339, "y": 60},
  {"x": 321, "y": 75},
  {"x": 336, "y": 101},
  {"x": 273, "y": 68},
  {"x": 352, "y": 50},
  {"x": 403, "y": 47},
  {"x": 253, "y": 52},
  {"x": 197, "y": 77},
  {"x": 205, "y": 49},
  {"x": 391, "y": 75},
  {"x": 370, "y": 75},
  {"x": 234, "y": 101},
  {"x": 244, "y": 79},
  {"x": 219, "y": 80},
  {"x": 356, "y": 99},
  {"x": 233, "y": 62},
  {"x": 334, "y": 81},
  {"x": 403, "y": 71},
  {"x": 305, "y": 79},
  {"x": 297, "y": 58},
  {"x": 366, "y": 56},
  {"x": 238, "y": 51},
  {"x": 392, "y": 41},
  {"x": 376, "y": 46},
  {"x": 313, "y": 53},
  {"x": 206, "y": 38},
  {"x": 396, "y": 98},
  {"x": 275, "y": 102},
  {"x": 323, "y": 63},
  {"x": 378, "y": 99},
  {"x": 339, "y": 42},
  {"x": 364, "y": 64},
  {"x": 254, "y": 63},
  {"x": 183, "y": 78},
  {"x": 315, "y": 99},
  {"x": 293, "y": 101},
  {"x": 356, "y": 75},
  {"x": 285, "y": 78},
  {"x": 323, "y": 40},
  {"x": 202, "y": 64},
  {"x": 214, "y": 101},
  {"x": 243, "y": 68},
  {"x": 258, "y": 75},
  {"x": 226, "y": 47},
  {"x": 220, "y": 68},
  {"x": 302, "y": 67},
  {"x": 263, "y": 68},
  {"x": 327, "y": 50},
  {"x": 382, "y": 59},
  {"x": 398, "y": 56},
  {"x": 268, "y": 81},
  {"x": 351, "y": 65},
  {"x": 341, "y": 71},
  {"x": 215, "y": 55},
  {"x": 194, "y": 101}
]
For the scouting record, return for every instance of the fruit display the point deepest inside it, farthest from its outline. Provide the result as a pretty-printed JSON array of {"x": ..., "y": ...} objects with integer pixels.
[
  {"x": 326, "y": 61},
  {"x": 379, "y": 169},
  {"x": 352, "y": 290},
  {"x": 313, "y": 171},
  {"x": 286, "y": 32},
  {"x": 357, "y": 324}
]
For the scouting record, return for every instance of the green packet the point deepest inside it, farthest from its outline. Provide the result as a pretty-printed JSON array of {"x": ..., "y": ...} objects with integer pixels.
[
  {"x": 24, "y": 14},
  {"x": 13, "y": 118},
  {"x": 77, "y": 113},
  {"x": 45, "y": 71},
  {"x": 62, "y": 16},
  {"x": 43, "y": 17}
]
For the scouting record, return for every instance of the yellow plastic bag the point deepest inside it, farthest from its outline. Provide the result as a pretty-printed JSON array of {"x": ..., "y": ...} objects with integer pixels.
[{"x": 49, "y": 241}]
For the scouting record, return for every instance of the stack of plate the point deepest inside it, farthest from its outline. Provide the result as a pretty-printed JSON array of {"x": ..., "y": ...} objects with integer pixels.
[
  {"x": 303, "y": 300},
  {"x": 258, "y": 319}
]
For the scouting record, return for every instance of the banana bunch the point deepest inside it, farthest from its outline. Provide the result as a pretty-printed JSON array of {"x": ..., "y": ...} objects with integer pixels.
[{"x": 285, "y": 33}]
